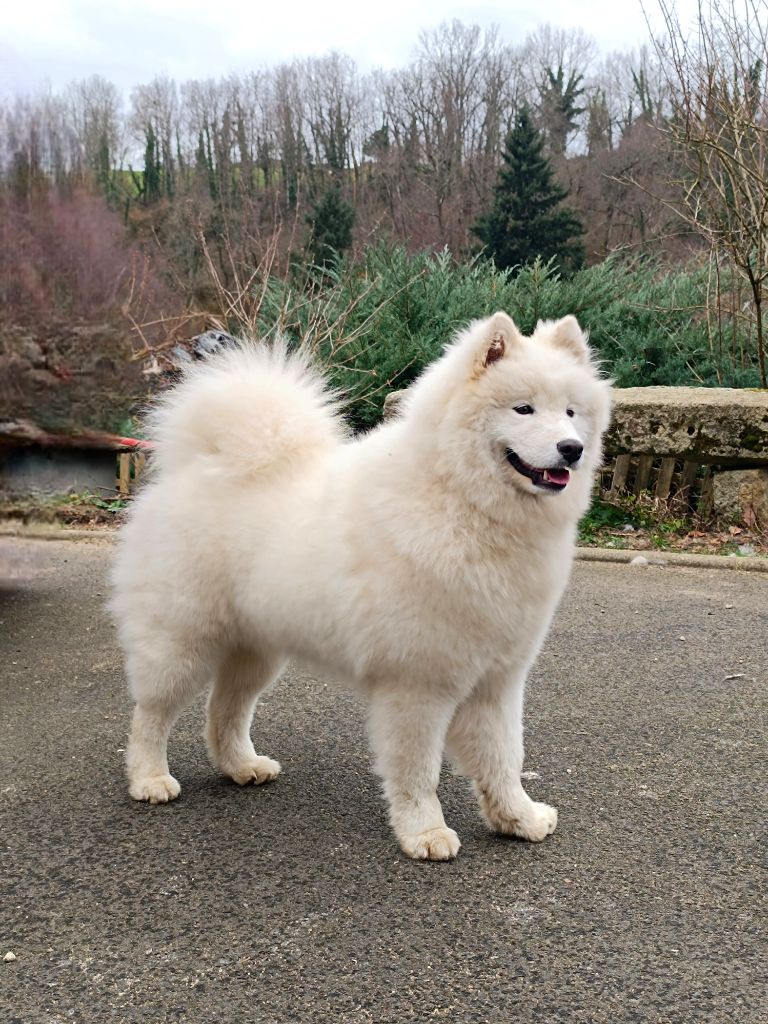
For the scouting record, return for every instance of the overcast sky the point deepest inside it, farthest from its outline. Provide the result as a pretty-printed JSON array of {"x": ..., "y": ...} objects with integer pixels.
[{"x": 52, "y": 42}]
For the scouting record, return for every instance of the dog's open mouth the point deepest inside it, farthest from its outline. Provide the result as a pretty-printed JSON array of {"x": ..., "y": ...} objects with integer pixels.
[{"x": 547, "y": 479}]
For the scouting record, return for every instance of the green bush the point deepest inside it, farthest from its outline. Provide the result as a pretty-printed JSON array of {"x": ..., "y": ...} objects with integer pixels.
[{"x": 378, "y": 321}]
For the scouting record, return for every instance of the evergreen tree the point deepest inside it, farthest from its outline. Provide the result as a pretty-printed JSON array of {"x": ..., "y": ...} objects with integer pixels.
[
  {"x": 559, "y": 111},
  {"x": 598, "y": 123},
  {"x": 377, "y": 143},
  {"x": 640, "y": 79},
  {"x": 103, "y": 170},
  {"x": 201, "y": 159},
  {"x": 527, "y": 220},
  {"x": 331, "y": 222},
  {"x": 152, "y": 166}
]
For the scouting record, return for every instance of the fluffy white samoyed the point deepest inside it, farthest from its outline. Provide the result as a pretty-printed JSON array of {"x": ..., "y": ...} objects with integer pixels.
[{"x": 421, "y": 563}]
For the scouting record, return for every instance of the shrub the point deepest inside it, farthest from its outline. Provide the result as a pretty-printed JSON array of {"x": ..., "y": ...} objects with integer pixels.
[{"x": 377, "y": 322}]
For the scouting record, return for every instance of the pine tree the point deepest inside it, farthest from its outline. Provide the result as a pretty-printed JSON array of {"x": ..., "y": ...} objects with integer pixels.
[
  {"x": 331, "y": 222},
  {"x": 103, "y": 170},
  {"x": 152, "y": 167},
  {"x": 526, "y": 220}
]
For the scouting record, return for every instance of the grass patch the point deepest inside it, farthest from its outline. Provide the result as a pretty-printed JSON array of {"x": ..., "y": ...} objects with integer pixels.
[
  {"x": 642, "y": 523},
  {"x": 83, "y": 509}
]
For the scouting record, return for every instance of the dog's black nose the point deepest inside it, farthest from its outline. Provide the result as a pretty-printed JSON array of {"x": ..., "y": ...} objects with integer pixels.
[{"x": 570, "y": 449}]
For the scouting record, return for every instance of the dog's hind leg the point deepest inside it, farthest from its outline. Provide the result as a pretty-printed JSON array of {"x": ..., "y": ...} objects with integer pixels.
[
  {"x": 407, "y": 732},
  {"x": 162, "y": 683},
  {"x": 486, "y": 740},
  {"x": 241, "y": 677}
]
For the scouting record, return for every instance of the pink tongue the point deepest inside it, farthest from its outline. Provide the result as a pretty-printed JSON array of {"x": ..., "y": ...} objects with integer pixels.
[{"x": 558, "y": 476}]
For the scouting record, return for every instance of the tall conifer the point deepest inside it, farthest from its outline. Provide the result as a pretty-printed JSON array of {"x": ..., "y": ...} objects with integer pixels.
[
  {"x": 527, "y": 219},
  {"x": 331, "y": 221}
]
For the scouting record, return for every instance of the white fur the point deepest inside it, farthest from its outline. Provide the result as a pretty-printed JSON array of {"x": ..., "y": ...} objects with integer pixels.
[{"x": 414, "y": 563}]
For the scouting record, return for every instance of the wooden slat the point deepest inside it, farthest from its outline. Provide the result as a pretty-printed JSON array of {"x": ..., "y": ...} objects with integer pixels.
[
  {"x": 644, "y": 465},
  {"x": 606, "y": 475},
  {"x": 688, "y": 478},
  {"x": 139, "y": 462},
  {"x": 620, "y": 472},
  {"x": 124, "y": 472},
  {"x": 664, "y": 483},
  {"x": 706, "y": 498}
]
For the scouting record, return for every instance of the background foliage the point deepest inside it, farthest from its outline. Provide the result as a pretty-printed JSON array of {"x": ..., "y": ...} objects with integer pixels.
[
  {"x": 338, "y": 205},
  {"x": 378, "y": 321}
]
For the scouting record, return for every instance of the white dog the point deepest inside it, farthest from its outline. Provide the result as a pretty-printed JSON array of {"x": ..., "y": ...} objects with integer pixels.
[{"x": 421, "y": 563}]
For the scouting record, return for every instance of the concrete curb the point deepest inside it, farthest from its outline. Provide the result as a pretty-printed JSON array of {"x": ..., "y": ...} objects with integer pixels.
[
  {"x": 107, "y": 533},
  {"x": 624, "y": 556},
  {"x": 621, "y": 556}
]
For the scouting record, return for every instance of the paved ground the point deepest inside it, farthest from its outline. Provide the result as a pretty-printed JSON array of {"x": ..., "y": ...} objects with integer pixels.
[{"x": 646, "y": 724}]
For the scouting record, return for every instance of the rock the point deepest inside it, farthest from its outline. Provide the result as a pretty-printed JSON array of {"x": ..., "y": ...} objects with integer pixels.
[
  {"x": 180, "y": 356},
  {"x": 105, "y": 366},
  {"x": 40, "y": 379},
  {"x": 32, "y": 351},
  {"x": 11, "y": 366},
  {"x": 91, "y": 332},
  {"x": 639, "y": 560},
  {"x": 69, "y": 375},
  {"x": 212, "y": 342},
  {"x": 9, "y": 957},
  {"x": 705, "y": 425},
  {"x": 151, "y": 367},
  {"x": 741, "y": 494}
]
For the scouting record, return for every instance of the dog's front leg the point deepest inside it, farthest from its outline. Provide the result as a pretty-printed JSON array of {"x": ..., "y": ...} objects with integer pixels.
[
  {"x": 486, "y": 739},
  {"x": 407, "y": 729}
]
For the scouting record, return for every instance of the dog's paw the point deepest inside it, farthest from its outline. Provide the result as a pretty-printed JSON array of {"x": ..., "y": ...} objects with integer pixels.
[
  {"x": 434, "y": 844},
  {"x": 533, "y": 821},
  {"x": 155, "y": 789},
  {"x": 257, "y": 770}
]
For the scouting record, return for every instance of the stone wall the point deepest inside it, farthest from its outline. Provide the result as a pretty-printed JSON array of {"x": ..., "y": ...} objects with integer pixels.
[
  {"x": 725, "y": 429},
  {"x": 716, "y": 426}
]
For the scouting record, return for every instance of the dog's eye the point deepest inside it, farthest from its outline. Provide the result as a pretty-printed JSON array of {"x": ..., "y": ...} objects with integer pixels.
[
  {"x": 524, "y": 410},
  {"x": 569, "y": 412}
]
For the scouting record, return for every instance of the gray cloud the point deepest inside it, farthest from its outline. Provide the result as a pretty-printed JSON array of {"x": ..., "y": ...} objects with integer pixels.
[{"x": 55, "y": 41}]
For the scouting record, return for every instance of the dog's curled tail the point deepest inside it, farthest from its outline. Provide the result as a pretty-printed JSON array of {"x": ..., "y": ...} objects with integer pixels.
[{"x": 251, "y": 411}]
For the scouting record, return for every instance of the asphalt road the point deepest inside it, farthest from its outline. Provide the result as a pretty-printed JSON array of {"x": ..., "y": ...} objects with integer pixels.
[{"x": 645, "y": 722}]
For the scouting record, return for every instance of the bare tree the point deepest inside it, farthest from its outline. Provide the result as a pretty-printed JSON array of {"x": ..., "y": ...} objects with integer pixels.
[
  {"x": 155, "y": 116},
  {"x": 634, "y": 87},
  {"x": 556, "y": 62},
  {"x": 332, "y": 90},
  {"x": 719, "y": 126},
  {"x": 417, "y": 149},
  {"x": 94, "y": 114},
  {"x": 448, "y": 111}
]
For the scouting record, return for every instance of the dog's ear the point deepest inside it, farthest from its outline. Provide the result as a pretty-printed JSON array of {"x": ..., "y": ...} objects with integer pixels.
[
  {"x": 500, "y": 335},
  {"x": 567, "y": 334}
]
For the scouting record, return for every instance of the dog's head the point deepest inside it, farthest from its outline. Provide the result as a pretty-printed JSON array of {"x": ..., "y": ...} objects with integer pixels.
[
  {"x": 520, "y": 412},
  {"x": 546, "y": 407}
]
